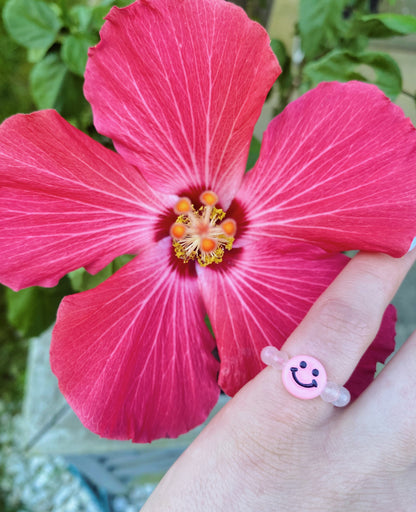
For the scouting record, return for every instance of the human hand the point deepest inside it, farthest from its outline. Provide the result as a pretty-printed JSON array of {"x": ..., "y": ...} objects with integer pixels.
[{"x": 268, "y": 451}]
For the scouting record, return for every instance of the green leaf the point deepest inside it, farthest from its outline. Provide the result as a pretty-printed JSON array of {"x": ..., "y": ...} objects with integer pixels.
[
  {"x": 385, "y": 25},
  {"x": 54, "y": 86},
  {"x": 74, "y": 52},
  {"x": 253, "y": 153},
  {"x": 209, "y": 325},
  {"x": 106, "y": 3},
  {"x": 120, "y": 3},
  {"x": 81, "y": 17},
  {"x": 285, "y": 83},
  {"x": 33, "y": 310},
  {"x": 98, "y": 14},
  {"x": 342, "y": 66},
  {"x": 388, "y": 74},
  {"x": 32, "y": 23},
  {"x": 321, "y": 24},
  {"x": 103, "y": 8},
  {"x": 36, "y": 54},
  {"x": 71, "y": 103},
  {"x": 81, "y": 280},
  {"x": 279, "y": 50},
  {"x": 46, "y": 81}
]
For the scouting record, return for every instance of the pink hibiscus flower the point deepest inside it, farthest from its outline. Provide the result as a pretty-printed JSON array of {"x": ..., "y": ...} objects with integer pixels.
[{"x": 178, "y": 85}]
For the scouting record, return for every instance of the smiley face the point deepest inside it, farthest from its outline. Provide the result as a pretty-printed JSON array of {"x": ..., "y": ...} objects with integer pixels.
[{"x": 304, "y": 377}]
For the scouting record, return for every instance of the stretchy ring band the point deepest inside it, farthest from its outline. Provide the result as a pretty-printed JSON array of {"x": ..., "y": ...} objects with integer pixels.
[{"x": 305, "y": 377}]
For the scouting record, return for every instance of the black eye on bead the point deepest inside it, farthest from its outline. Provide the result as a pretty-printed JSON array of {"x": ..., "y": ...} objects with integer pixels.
[
  {"x": 315, "y": 372},
  {"x": 302, "y": 364}
]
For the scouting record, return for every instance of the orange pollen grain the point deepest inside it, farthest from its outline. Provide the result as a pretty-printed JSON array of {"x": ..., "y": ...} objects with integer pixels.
[
  {"x": 229, "y": 226},
  {"x": 208, "y": 244},
  {"x": 208, "y": 198},
  {"x": 183, "y": 205},
  {"x": 178, "y": 231}
]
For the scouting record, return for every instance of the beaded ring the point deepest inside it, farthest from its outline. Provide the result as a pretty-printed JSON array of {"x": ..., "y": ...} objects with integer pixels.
[{"x": 305, "y": 377}]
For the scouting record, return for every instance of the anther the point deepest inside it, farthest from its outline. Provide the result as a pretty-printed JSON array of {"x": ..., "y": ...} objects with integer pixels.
[
  {"x": 184, "y": 205},
  {"x": 208, "y": 245},
  {"x": 178, "y": 230},
  {"x": 229, "y": 226},
  {"x": 208, "y": 198}
]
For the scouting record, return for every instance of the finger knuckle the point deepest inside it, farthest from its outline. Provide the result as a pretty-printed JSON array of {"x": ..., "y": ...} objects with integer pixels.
[{"x": 339, "y": 318}]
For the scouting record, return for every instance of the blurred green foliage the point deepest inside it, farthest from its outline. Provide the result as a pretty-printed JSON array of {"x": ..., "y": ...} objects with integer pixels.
[
  {"x": 14, "y": 70},
  {"x": 32, "y": 310},
  {"x": 334, "y": 45},
  {"x": 56, "y": 37},
  {"x": 258, "y": 10},
  {"x": 12, "y": 358}
]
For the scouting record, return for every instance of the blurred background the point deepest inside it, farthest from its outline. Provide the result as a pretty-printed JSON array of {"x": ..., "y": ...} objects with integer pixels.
[{"x": 48, "y": 462}]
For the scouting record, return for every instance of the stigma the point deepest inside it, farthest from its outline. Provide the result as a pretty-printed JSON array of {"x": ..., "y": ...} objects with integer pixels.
[{"x": 202, "y": 234}]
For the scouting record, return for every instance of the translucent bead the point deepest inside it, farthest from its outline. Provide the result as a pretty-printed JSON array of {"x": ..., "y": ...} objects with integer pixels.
[
  {"x": 331, "y": 392},
  {"x": 274, "y": 357},
  {"x": 343, "y": 399},
  {"x": 336, "y": 395}
]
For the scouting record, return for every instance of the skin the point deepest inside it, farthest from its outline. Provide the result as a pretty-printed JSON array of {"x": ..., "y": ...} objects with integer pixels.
[{"x": 268, "y": 451}]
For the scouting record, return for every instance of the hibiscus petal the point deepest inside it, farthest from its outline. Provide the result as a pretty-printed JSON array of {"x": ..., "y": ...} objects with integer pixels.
[
  {"x": 257, "y": 296},
  {"x": 133, "y": 356},
  {"x": 65, "y": 202},
  {"x": 178, "y": 86},
  {"x": 336, "y": 168}
]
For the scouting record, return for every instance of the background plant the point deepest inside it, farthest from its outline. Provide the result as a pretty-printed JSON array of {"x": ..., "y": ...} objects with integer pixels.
[{"x": 335, "y": 44}]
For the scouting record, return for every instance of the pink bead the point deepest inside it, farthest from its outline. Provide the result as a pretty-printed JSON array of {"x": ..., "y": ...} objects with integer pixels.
[{"x": 304, "y": 377}]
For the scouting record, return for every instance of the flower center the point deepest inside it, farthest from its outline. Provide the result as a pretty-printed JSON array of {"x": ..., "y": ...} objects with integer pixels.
[{"x": 202, "y": 234}]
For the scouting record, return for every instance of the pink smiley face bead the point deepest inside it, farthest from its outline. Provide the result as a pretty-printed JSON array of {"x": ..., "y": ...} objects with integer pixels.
[{"x": 304, "y": 377}]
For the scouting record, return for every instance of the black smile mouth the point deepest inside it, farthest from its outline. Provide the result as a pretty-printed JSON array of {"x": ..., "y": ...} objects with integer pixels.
[{"x": 312, "y": 384}]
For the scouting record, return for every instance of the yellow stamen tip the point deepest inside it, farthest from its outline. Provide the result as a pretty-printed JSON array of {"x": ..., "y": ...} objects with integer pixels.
[
  {"x": 177, "y": 231},
  {"x": 184, "y": 205},
  {"x": 208, "y": 245},
  {"x": 208, "y": 198},
  {"x": 229, "y": 226}
]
